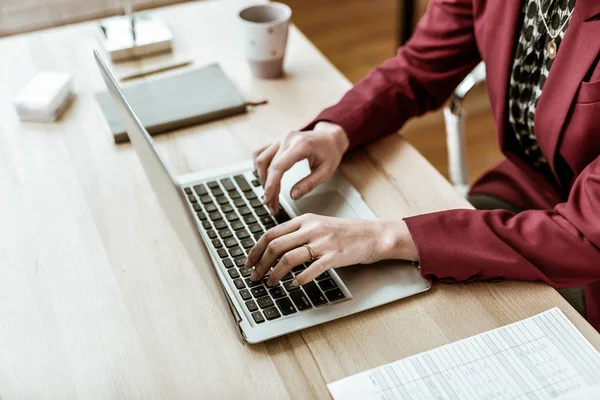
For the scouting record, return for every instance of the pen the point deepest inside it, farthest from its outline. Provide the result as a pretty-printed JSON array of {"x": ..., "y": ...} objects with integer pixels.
[{"x": 155, "y": 70}]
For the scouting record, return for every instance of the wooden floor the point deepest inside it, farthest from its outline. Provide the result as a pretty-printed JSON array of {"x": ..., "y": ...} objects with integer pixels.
[{"x": 356, "y": 35}]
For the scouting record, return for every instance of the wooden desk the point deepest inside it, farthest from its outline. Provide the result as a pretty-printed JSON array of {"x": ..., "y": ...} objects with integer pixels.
[{"x": 98, "y": 297}]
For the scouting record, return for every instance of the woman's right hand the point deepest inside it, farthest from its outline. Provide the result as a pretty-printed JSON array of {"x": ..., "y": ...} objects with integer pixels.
[{"x": 323, "y": 147}]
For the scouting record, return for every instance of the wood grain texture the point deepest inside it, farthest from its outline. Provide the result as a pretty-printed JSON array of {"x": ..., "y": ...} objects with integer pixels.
[{"x": 98, "y": 298}]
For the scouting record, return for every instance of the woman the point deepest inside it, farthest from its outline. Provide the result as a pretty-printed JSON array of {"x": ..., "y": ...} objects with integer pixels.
[{"x": 538, "y": 211}]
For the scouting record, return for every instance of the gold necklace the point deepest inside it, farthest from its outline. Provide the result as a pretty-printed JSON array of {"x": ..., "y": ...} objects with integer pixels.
[{"x": 551, "y": 47}]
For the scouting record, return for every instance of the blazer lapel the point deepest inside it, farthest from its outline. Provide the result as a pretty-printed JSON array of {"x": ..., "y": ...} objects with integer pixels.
[
  {"x": 498, "y": 57},
  {"x": 578, "y": 50}
]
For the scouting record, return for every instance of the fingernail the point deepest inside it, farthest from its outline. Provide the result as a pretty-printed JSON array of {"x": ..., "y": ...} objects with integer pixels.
[
  {"x": 269, "y": 282},
  {"x": 295, "y": 283},
  {"x": 254, "y": 276},
  {"x": 296, "y": 194}
]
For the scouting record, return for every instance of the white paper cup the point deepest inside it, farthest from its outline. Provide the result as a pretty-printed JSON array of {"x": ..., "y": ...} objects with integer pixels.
[{"x": 264, "y": 31}]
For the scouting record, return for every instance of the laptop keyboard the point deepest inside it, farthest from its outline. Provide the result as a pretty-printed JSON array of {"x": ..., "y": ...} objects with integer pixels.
[{"x": 234, "y": 218}]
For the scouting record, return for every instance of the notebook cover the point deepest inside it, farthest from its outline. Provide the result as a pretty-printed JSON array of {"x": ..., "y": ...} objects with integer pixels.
[{"x": 176, "y": 101}]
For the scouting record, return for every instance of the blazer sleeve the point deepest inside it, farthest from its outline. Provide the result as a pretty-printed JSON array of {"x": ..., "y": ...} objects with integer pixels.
[
  {"x": 441, "y": 52},
  {"x": 560, "y": 247}
]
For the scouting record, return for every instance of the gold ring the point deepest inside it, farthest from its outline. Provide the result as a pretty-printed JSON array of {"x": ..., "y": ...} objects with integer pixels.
[{"x": 312, "y": 255}]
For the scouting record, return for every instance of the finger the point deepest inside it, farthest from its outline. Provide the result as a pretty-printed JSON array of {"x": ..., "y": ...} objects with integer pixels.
[
  {"x": 259, "y": 247},
  {"x": 276, "y": 249},
  {"x": 289, "y": 260},
  {"x": 278, "y": 167},
  {"x": 318, "y": 176},
  {"x": 263, "y": 158},
  {"x": 315, "y": 269}
]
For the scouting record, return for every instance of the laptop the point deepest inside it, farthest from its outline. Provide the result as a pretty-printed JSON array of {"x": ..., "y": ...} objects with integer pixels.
[{"x": 219, "y": 211}]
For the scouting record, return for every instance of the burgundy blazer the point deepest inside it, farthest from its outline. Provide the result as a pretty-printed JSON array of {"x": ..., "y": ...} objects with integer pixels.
[{"x": 558, "y": 239}]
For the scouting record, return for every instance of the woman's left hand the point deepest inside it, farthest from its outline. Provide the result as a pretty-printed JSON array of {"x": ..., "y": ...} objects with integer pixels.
[{"x": 335, "y": 242}]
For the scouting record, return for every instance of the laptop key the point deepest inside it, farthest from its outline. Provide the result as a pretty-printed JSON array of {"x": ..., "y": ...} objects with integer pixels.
[
  {"x": 298, "y": 269},
  {"x": 222, "y": 200},
  {"x": 230, "y": 242},
  {"x": 258, "y": 235},
  {"x": 244, "y": 211},
  {"x": 233, "y": 273},
  {"x": 289, "y": 287},
  {"x": 212, "y": 234},
  {"x": 254, "y": 228},
  {"x": 245, "y": 294},
  {"x": 266, "y": 220},
  {"x": 201, "y": 215},
  {"x": 210, "y": 207},
  {"x": 287, "y": 277},
  {"x": 324, "y": 275},
  {"x": 261, "y": 211},
  {"x": 252, "y": 283},
  {"x": 270, "y": 226},
  {"x": 256, "y": 203},
  {"x": 237, "y": 225},
  {"x": 227, "y": 184},
  {"x": 222, "y": 253},
  {"x": 251, "y": 305},
  {"x": 258, "y": 291},
  {"x": 242, "y": 234},
  {"x": 286, "y": 306},
  {"x": 335, "y": 294},
  {"x": 264, "y": 302},
  {"x": 249, "y": 219},
  {"x": 234, "y": 194},
  {"x": 247, "y": 243},
  {"x": 226, "y": 208},
  {"x": 300, "y": 300},
  {"x": 314, "y": 294},
  {"x": 255, "y": 183},
  {"x": 206, "y": 224},
  {"x": 217, "y": 243},
  {"x": 271, "y": 313},
  {"x": 236, "y": 251},
  {"x": 205, "y": 199},
  {"x": 250, "y": 195},
  {"x": 197, "y": 207},
  {"x": 200, "y": 190},
  {"x": 242, "y": 183},
  {"x": 228, "y": 263},
  {"x": 277, "y": 292},
  {"x": 258, "y": 318},
  {"x": 282, "y": 217},
  {"x": 231, "y": 216},
  {"x": 239, "y": 284},
  {"x": 255, "y": 173},
  {"x": 187, "y": 190},
  {"x": 327, "y": 285},
  {"x": 239, "y": 203},
  {"x": 215, "y": 216},
  {"x": 225, "y": 233},
  {"x": 220, "y": 224},
  {"x": 240, "y": 261},
  {"x": 245, "y": 272},
  {"x": 213, "y": 184},
  {"x": 192, "y": 198},
  {"x": 217, "y": 192}
]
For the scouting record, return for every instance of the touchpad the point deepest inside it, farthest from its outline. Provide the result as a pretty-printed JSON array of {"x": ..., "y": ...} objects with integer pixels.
[{"x": 330, "y": 203}]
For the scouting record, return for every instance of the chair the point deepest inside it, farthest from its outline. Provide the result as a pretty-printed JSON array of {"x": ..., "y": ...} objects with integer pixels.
[{"x": 454, "y": 118}]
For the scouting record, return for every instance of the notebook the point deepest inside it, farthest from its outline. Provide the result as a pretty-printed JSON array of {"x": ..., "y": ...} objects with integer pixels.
[
  {"x": 542, "y": 357},
  {"x": 176, "y": 101}
]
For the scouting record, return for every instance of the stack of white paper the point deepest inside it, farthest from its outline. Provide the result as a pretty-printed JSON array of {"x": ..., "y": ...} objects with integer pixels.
[{"x": 542, "y": 357}]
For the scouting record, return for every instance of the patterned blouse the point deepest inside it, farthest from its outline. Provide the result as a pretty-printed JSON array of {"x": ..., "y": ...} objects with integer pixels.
[{"x": 530, "y": 70}]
